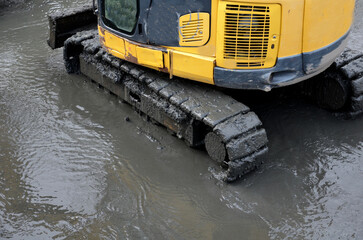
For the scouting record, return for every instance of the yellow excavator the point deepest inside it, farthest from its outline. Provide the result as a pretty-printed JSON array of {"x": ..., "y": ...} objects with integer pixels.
[
  {"x": 255, "y": 44},
  {"x": 237, "y": 44}
]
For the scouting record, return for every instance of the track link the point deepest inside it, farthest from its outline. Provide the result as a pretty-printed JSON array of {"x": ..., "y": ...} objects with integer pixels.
[
  {"x": 231, "y": 133},
  {"x": 340, "y": 87},
  {"x": 350, "y": 66}
]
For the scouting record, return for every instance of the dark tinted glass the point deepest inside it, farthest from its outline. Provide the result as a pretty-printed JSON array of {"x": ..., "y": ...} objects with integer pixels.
[{"x": 121, "y": 14}]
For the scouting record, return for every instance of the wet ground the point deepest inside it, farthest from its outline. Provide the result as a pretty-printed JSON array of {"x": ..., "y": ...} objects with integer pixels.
[{"x": 71, "y": 167}]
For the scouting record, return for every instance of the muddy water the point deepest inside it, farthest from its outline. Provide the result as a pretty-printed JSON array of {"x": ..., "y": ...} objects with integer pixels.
[{"x": 71, "y": 167}]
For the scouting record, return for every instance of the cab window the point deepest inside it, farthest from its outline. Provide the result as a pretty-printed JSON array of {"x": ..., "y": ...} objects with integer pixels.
[{"x": 120, "y": 14}]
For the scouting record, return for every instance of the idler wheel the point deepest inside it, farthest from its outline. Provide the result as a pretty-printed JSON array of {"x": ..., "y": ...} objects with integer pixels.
[
  {"x": 333, "y": 93},
  {"x": 215, "y": 147}
]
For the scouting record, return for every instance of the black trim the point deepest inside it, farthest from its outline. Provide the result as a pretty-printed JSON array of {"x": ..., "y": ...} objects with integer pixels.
[{"x": 287, "y": 71}]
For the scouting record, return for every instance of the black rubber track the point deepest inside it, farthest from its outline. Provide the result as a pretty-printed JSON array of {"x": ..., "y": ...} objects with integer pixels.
[
  {"x": 350, "y": 66},
  {"x": 340, "y": 87},
  {"x": 201, "y": 115}
]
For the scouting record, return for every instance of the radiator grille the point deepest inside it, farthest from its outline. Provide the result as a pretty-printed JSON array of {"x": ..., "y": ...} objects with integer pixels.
[{"x": 247, "y": 34}]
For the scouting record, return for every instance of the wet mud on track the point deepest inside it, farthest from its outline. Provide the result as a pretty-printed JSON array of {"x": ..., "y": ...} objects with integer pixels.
[{"x": 72, "y": 167}]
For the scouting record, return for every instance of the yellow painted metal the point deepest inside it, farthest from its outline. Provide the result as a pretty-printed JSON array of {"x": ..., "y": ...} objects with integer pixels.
[
  {"x": 186, "y": 65},
  {"x": 112, "y": 43},
  {"x": 291, "y": 32},
  {"x": 248, "y": 35},
  {"x": 208, "y": 49},
  {"x": 149, "y": 57},
  {"x": 192, "y": 59},
  {"x": 194, "y": 29},
  {"x": 130, "y": 51},
  {"x": 325, "y": 22},
  {"x": 292, "y": 16},
  {"x": 192, "y": 66}
]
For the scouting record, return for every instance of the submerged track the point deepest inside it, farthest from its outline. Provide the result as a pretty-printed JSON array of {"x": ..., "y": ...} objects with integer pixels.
[{"x": 201, "y": 115}]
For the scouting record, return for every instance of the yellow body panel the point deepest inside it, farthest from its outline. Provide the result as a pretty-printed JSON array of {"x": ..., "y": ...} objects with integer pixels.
[
  {"x": 191, "y": 66},
  {"x": 186, "y": 65},
  {"x": 209, "y": 49},
  {"x": 325, "y": 22},
  {"x": 113, "y": 44},
  {"x": 150, "y": 57},
  {"x": 246, "y": 49},
  {"x": 292, "y": 16},
  {"x": 194, "y": 29},
  {"x": 130, "y": 51},
  {"x": 298, "y": 26}
]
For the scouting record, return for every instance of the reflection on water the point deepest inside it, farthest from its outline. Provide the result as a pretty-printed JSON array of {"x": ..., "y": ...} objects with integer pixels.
[{"x": 70, "y": 166}]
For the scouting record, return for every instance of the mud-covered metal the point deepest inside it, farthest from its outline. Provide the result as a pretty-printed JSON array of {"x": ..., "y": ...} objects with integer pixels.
[
  {"x": 196, "y": 113},
  {"x": 320, "y": 59},
  {"x": 339, "y": 88},
  {"x": 350, "y": 65},
  {"x": 64, "y": 24}
]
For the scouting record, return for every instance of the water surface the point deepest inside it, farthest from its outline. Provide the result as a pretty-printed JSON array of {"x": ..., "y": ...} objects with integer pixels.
[{"x": 72, "y": 168}]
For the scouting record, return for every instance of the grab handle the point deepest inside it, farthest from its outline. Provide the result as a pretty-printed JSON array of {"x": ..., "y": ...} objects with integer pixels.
[{"x": 95, "y": 9}]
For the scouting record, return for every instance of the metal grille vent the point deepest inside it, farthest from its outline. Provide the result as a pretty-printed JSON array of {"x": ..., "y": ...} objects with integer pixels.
[
  {"x": 194, "y": 29},
  {"x": 247, "y": 33},
  {"x": 190, "y": 31}
]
